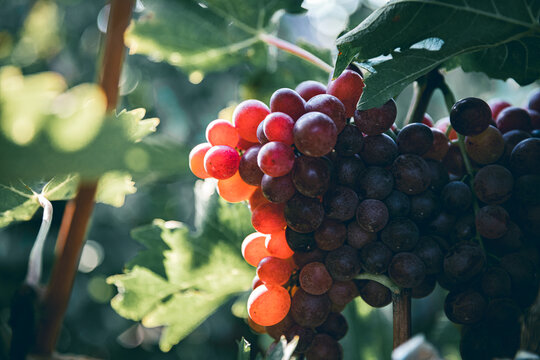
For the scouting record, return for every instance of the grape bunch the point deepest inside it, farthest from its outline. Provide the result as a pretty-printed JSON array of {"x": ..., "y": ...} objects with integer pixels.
[
  {"x": 344, "y": 203},
  {"x": 491, "y": 273}
]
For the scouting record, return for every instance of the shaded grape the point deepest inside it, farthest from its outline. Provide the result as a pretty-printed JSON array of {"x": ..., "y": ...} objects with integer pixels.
[
  {"x": 350, "y": 141},
  {"x": 343, "y": 263},
  {"x": 375, "y": 257},
  {"x": 375, "y": 294},
  {"x": 415, "y": 138},
  {"x": 379, "y": 150},
  {"x": 407, "y": 270},
  {"x": 470, "y": 116},
  {"x": 493, "y": 184},
  {"x": 372, "y": 215},
  {"x": 411, "y": 174},
  {"x": 303, "y": 214},
  {"x": 377, "y": 120}
]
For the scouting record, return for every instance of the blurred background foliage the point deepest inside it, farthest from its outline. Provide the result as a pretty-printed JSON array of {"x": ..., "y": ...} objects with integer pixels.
[{"x": 65, "y": 36}]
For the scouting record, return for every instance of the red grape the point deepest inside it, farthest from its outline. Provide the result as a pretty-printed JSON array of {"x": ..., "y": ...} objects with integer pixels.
[
  {"x": 276, "y": 159},
  {"x": 348, "y": 88},
  {"x": 289, "y": 102},
  {"x": 196, "y": 160},
  {"x": 279, "y": 127},
  {"x": 247, "y": 116},
  {"x": 222, "y": 132},
  {"x": 221, "y": 162},
  {"x": 268, "y": 305},
  {"x": 315, "y": 134}
]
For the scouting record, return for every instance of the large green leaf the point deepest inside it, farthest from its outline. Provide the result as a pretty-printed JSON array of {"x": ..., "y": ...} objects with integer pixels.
[
  {"x": 405, "y": 39},
  {"x": 204, "y": 35},
  {"x": 47, "y": 131},
  {"x": 183, "y": 277}
]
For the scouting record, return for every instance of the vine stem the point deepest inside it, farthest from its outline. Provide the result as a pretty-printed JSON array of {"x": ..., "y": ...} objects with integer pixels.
[
  {"x": 36, "y": 254},
  {"x": 71, "y": 236},
  {"x": 296, "y": 50},
  {"x": 424, "y": 88}
]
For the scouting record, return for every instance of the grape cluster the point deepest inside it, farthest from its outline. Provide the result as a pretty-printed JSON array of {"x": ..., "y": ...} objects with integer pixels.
[
  {"x": 492, "y": 284},
  {"x": 340, "y": 199}
]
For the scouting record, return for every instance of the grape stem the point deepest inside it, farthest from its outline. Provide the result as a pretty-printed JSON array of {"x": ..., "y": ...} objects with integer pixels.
[
  {"x": 295, "y": 50},
  {"x": 424, "y": 87},
  {"x": 381, "y": 279}
]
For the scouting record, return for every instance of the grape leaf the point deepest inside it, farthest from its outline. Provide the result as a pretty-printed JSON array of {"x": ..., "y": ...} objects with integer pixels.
[
  {"x": 19, "y": 202},
  {"x": 47, "y": 131},
  {"x": 226, "y": 31},
  {"x": 183, "y": 277},
  {"x": 405, "y": 39}
]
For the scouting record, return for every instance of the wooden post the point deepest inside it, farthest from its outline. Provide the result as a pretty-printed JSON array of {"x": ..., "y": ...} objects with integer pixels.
[
  {"x": 401, "y": 306},
  {"x": 71, "y": 237}
]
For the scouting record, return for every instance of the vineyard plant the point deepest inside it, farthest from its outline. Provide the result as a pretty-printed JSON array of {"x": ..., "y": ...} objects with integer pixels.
[{"x": 270, "y": 179}]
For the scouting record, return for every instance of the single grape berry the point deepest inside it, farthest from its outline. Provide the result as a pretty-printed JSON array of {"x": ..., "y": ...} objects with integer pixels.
[
  {"x": 268, "y": 305},
  {"x": 222, "y": 132},
  {"x": 247, "y": 116},
  {"x": 249, "y": 169},
  {"x": 275, "y": 159},
  {"x": 415, "y": 138},
  {"x": 196, "y": 160},
  {"x": 309, "y": 88},
  {"x": 221, "y": 162},
  {"x": 289, "y": 102},
  {"x": 407, "y": 270},
  {"x": 377, "y": 120},
  {"x": 470, "y": 116},
  {"x": 279, "y": 127},
  {"x": 331, "y": 106},
  {"x": 315, "y": 134},
  {"x": 348, "y": 88}
]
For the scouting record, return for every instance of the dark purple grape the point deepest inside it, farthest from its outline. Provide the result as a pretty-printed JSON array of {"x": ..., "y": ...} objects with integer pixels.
[
  {"x": 465, "y": 307},
  {"x": 415, "y": 138},
  {"x": 470, "y": 116},
  {"x": 375, "y": 257},
  {"x": 464, "y": 261},
  {"x": 464, "y": 229},
  {"x": 342, "y": 292},
  {"x": 440, "y": 146},
  {"x": 303, "y": 258},
  {"x": 309, "y": 310},
  {"x": 429, "y": 251},
  {"x": 315, "y": 279},
  {"x": 407, "y": 270},
  {"x": 328, "y": 105},
  {"x": 299, "y": 241},
  {"x": 496, "y": 282},
  {"x": 525, "y": 158},
  {"x": 533, "y": 101},
  {"x": 425, "y": 288},
  {"x": 503, "y": 313},
  {"x": 330, "y": 235},
  {"x": 513, "y": 118},
  {"x": 324, "y": 347},
  {"x": 303, "y": 214},
  {"x": 275, "y": 331},
  {"x": 305, "y": 337},
  {"x": 456, "y": 197},
  {"x": 377, "y": 120},
  {"x": 442, "y": 224},
  {"x": 492, "y": 221},
  {"x": 401, "y": 234},
  {"x": 375, "y": 295},
  {"x": 511, "y": 139},
  {"x": 522, "y": 275},
  {"x": 372, "y": 215},
  {"x": 411, "y": 174},
  {"x": 493, "y": 184},
  {"x": 261, "y": 136},
  {"x": 343, "y": 263},
  {"x": 453, "y": 161},
  {"x": 350, "y": 141},
  {"x": 277, "y": 189},
  {"x": 398, "y": 204},
  {"x": 335, "y": 325},
  {"x": 424, "y": 206},
  {"x": 315, "y": 134},
  {"x": 248, "y": 169},
  {"x": 438, "y": 175},
  {"x": 340, "y": 203},
  {"x": 309, "y": 88},
  {"x": 311, "y": 176},
  {"x": 509, "y": 242},
  {"x": 357, "y": 237},
  {"x": 486, "y": 147},
  {"x": 348, "y": 170},
  {"x": 375, "y": 183},
  {"x": 289, "y": 102},
  {"x": 527, "y": 189},
  {"x": 379, "y": 150}
]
